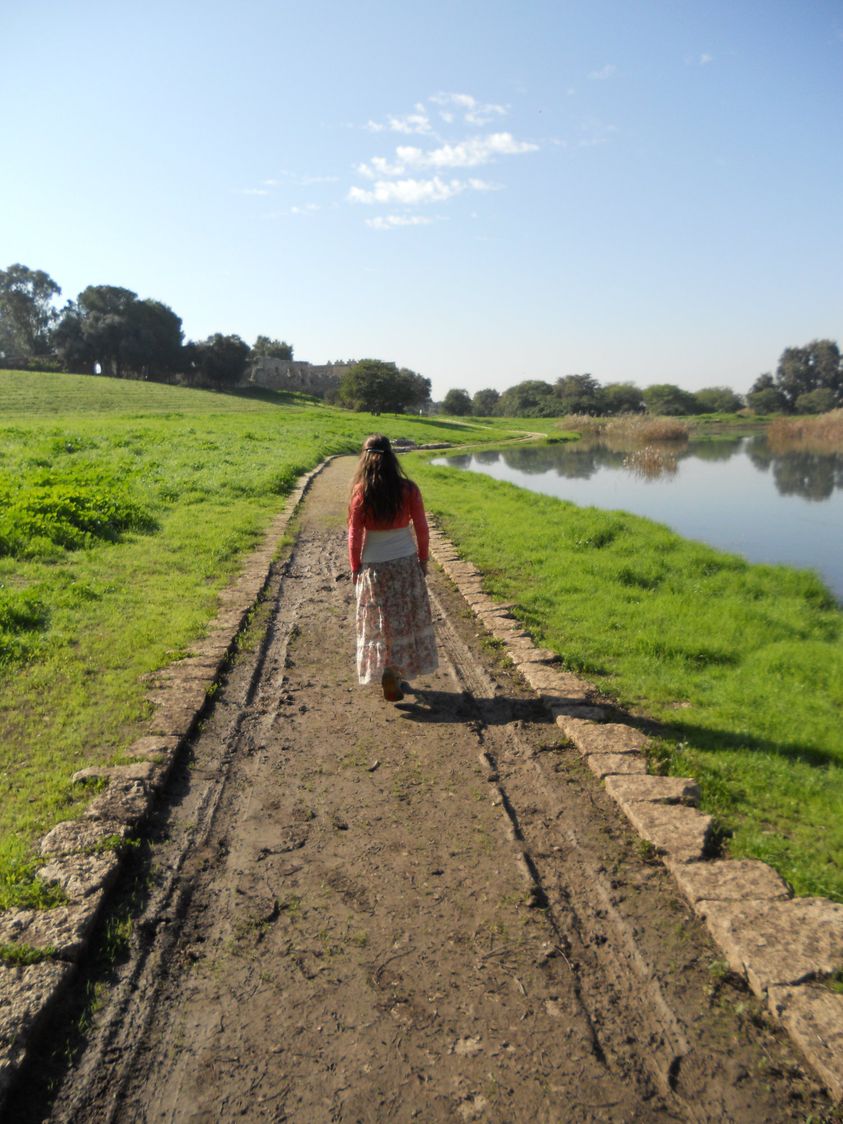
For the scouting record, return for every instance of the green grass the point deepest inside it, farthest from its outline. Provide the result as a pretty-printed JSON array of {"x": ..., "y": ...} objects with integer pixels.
[
  {"x": 125, "y": 507},
  {"x": 740, "y": 664}
]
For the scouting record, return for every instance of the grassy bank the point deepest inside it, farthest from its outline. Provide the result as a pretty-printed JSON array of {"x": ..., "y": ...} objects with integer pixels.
[
  {"x": 740, "y": 664},
  {"x": 124, "y": 508}
]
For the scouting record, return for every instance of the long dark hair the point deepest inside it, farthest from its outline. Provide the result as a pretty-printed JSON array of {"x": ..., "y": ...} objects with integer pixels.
[{"x": 380, "y": 478}]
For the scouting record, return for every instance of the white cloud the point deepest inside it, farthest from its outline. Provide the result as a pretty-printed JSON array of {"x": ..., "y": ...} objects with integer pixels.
[
  {"x": 706, "y": 59},
  {"x": 473, "y": 111},
  {"x": 252, "y": 191},
  {"x": 470, "y": 153},
  {"x": 305, "y": 209},
  {"x": 390, "y": 222},
  {"x": 413, "y": 192},
  {"x": 607, "y": 71},
  {"x": 418, "y": 122}
]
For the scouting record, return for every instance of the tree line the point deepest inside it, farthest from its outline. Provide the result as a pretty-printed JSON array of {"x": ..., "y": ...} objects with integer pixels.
[
  {"x": 109, "y": 329},
  {"x": 808, "y": 380}
]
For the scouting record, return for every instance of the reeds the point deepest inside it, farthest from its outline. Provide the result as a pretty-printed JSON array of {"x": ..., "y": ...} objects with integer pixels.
[
  {"x": 652, "y": 462},
  {"x": 819, "y": 433},
  {"x": 640, "y": 428},
  {"x": 631, "y": 429}
]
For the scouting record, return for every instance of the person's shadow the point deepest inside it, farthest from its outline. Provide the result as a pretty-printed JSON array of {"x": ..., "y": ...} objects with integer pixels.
[{"x": 423, "y": 705}]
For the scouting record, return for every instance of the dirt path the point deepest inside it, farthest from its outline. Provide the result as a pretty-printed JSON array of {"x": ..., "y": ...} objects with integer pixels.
[{"x": 358, "y": 912}]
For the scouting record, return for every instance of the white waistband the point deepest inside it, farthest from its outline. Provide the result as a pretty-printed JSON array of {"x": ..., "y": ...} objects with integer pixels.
[{"x": 383, "y": 546}]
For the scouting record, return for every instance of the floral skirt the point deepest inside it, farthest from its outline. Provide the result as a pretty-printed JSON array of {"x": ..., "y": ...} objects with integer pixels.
[{"x": 394, "y": 625}]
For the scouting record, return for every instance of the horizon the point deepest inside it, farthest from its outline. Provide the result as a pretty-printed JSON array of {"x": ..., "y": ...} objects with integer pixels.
[{"x": 649, "y": 196}]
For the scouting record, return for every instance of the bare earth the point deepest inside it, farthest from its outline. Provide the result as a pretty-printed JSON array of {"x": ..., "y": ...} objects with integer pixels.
[{"x": 430, "y": 911}]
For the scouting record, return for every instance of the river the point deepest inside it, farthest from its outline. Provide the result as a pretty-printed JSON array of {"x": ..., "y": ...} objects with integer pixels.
[{"x": 731, "y": 492}]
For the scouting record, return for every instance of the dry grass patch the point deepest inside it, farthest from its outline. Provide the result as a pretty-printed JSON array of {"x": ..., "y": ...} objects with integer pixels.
[
  {"x": 628, "y": 429},
  {"x": 820, "y": 433}
]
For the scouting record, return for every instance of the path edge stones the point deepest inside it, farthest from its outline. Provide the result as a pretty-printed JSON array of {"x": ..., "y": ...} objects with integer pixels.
[
  {"x": 83, "y": 856},
  {"x": 783, "y": 947}
]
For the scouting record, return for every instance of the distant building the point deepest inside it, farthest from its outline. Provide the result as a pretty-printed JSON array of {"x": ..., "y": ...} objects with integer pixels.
[{"x": 293, "y": 374}]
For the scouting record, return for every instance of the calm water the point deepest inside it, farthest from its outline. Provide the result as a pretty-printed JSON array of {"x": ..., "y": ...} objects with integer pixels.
[{"x": 732, "y": 493}]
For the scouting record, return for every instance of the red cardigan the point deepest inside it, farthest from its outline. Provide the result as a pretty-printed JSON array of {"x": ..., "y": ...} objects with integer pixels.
[{"x": 358, "y": 521}]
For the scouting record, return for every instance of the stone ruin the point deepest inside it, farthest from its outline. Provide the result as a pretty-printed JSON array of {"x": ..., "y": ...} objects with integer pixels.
[{"x": 294, "y": 374}]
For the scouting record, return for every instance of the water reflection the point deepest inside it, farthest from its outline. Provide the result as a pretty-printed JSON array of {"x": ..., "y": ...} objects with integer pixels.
[
  {"x": 734, "y": 492},
  {"x": 813, "y": 476}
]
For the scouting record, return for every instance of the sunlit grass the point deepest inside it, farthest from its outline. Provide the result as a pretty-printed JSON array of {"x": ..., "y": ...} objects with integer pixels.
[{"x": 742, "y": 665}]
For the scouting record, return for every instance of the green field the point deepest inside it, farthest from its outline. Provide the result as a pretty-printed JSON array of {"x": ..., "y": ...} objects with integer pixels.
[
  {"x": 124, "y": 508},
  {"x": 127, "y": 506},
  {"x": 741, "y": 665}
]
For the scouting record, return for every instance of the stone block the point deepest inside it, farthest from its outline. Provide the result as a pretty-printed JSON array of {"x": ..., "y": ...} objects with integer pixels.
[
  {"x": 609, "y": 764},
  {"x": 146, "y": 771},
  {"x": 602, "y": 737},
  {"x": 123, "y": 801},
  {"x": 26, "y": 997},
  {"x": 678, "y": 831},
  {"x": 739, "y": 880},
  {"x": 657, "y": 790},
  {"x": 777, "y": 943},
  {"x": 556, "y": 687},
  {"x": 522, "y": 650},
  {"x": 64, "y": 928},
  {"x": 73, "y": 836},
  {"x": 154, "y": 748},
  {"x": 173, "y": 720},
  {"x": 180, "y": 695},
  {"x": 813, "y": 1017},
  {"x": 81, "y": 875}
]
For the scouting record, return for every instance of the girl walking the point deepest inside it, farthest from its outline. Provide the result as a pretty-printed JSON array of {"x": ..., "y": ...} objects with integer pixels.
[{"x": 394, "y": 627}]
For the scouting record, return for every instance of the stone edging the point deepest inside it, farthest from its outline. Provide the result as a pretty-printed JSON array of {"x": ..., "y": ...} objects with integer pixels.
[
  {"x": 83, "y": 856},
  {"x": 782, "y": 946}
]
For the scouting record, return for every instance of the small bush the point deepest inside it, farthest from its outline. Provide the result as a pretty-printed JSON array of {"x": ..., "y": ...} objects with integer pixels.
[{"x": 48, "y": 512}]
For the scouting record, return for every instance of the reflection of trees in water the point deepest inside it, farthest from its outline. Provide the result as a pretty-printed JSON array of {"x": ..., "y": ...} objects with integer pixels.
[
  {"x": 814, "y": 476},
  {"x": 575, "y": 461},
  {"x": 758, "y": 452}
]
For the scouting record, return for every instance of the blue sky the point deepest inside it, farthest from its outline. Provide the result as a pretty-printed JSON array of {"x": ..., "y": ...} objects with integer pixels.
[{"x": 483, "y": 192}]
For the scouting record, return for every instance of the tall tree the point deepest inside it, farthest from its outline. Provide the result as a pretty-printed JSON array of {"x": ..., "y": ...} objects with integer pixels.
[
  {"x": 578, "y": 394},
  {"x": 532, "y": 398},
  {"x": 457, "y": 402},
  {"x": 764, "y": 396},
  {"x": 718, "y": 400},
  {"x": 219, "y": 360},
  {"x": 109, "y": 326},
  {"x": 485, "y": 402},
  {"x": 27, "y": 314},
  {"x": 265, "y": 348},
  {"x": 815, "y": 366},
  {"x": 379, "y": 387},
  {"x": 621, "y": 398},
  {"x": 666, "y": 398}
]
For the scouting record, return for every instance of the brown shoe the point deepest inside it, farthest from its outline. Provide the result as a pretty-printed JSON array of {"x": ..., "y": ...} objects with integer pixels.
[{"x": 391, "y": 684}]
